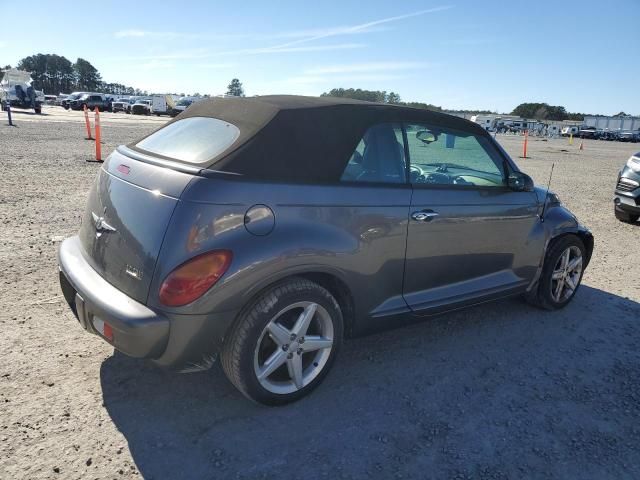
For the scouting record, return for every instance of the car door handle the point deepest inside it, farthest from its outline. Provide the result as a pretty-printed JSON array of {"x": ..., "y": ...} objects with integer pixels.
[{"x": 424, "y": 215}]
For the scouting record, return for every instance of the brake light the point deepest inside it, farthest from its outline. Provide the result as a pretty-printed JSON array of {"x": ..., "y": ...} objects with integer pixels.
[{"x": 194, "y": 277}]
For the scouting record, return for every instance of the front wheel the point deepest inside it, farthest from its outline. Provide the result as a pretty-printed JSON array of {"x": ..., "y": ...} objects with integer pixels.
[
  {"x": 561, "y": 273},
  {"x": 284, "y": 343}
]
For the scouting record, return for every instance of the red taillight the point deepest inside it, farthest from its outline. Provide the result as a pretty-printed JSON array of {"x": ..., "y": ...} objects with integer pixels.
[{"x": 193, "y": 278}]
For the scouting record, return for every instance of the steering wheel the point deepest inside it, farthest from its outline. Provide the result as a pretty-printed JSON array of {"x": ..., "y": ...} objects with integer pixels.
[
  {"x": 459, "y": 180},
  {"x": 438, "y": 178},
  {"x": 415, "y": 173}
]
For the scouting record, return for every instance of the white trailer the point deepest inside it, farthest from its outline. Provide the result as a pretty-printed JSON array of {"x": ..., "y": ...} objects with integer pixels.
[
  {"x": 162, "y": 104},
  {"x": 612, "y": 123}
]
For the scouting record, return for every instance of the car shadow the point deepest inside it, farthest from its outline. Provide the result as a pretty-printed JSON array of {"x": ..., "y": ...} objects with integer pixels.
[{"x": 502, "y": 389}]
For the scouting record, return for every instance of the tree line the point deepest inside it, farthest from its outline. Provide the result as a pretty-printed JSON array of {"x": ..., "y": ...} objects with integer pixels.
[
  {"x": 382, "y": 96},
  {"x": 55, "y": 74},
  {"x": 532, "y": 110},
  {"x": 543, "y": 111}
]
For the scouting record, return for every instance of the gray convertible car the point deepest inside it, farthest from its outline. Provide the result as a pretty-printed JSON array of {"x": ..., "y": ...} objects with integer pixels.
[{"x": 267, "y": 230}]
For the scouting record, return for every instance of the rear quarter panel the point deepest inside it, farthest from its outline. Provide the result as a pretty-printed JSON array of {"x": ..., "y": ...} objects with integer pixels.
[{"x": 356, "y": 233}]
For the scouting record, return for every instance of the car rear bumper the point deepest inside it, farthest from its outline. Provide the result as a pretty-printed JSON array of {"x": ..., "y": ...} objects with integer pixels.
[
  {"x": 169, "y": 339},
  {"x": 137, "y": 330}
]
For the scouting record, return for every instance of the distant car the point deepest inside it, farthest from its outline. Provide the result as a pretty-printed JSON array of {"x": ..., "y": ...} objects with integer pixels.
[
  {"x": 267, "y": 229},
  {"x": 589, "y": 132},
  {"x": 141, "y": 107},
  {"x": 608, "y": 136},
  {"x": 121, "y": 105},
  {"x": 66, "y": 102},
  {"x": 627, "y": 194},
  {"x": 50, "y": 99},
  {"x": 91, "y": 101},
  {"x": 109, "y": 103},
  {"x": 181, "y": 105},
  {"x": 628, "y": 136},
  {"x": 60, "y": 98}
]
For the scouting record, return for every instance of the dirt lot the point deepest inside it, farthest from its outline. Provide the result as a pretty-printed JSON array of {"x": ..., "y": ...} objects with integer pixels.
[{"x": 498, "y": 391}]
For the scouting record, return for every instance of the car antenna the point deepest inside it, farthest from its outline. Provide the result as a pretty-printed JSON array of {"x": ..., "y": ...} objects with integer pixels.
[{"x": 546, "y": 194}]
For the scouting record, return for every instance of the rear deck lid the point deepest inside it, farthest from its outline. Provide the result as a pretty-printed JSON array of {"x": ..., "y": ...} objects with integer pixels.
[{"x": 128, "y": 211}]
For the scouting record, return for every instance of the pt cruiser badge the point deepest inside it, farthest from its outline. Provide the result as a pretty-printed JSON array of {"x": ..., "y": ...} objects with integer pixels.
[{"x": 100, "y": 225}]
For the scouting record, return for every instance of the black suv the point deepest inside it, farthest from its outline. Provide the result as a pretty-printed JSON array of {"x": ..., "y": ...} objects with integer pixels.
[
  {"x": 91, "y": 101},
  {"x": 627, "y": 195}
]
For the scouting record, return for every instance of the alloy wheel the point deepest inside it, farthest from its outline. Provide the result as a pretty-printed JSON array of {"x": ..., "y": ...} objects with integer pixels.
[
  {"x": 294, "y": 347},
  {"x": 566, "y": 274}
]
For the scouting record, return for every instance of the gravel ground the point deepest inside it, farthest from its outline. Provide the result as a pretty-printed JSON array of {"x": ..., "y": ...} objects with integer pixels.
[{"x": 498, "y": 391}]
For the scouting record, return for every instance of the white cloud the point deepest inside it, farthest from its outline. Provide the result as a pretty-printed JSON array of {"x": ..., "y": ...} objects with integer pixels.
[
  {"x": 135, "y": 33},
  {"x": 302, "y": 36},
  {"x": 214, "y": 65},
  {"x": 131, "y": 33},
  {"x": 194, "y": 54},
  {"x": 309, "y": 48},
  {"x": 330, "y": 31},
  {"x": 363, "y": 26},
  {"x": 157, "y": 64},
  {"x": 366, "y": 67},
  {"x": 364, "y": 77}
]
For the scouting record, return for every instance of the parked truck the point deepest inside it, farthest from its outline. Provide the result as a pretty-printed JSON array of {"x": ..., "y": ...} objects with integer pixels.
[{"x": 16, "y": 90}]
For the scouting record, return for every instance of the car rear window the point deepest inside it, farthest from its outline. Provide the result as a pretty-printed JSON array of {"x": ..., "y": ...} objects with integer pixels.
[{"x": 192, "y": 140}]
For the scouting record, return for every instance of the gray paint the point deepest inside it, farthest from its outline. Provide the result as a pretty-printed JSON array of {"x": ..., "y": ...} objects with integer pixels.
[{"x": 485, "y": 243}]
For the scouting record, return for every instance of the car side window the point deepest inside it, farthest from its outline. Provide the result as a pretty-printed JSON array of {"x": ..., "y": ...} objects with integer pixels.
[
  {"x": 379, "y": 157},
  {"x": 444, "y": 156}
]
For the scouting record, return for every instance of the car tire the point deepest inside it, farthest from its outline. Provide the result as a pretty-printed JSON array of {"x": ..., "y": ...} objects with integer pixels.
[
  {"x": 266, "y": 340},
  {"x": 549, "y": 294},
  {"x": 38, "y": 110},
  {"x": 624, "y": 216}
]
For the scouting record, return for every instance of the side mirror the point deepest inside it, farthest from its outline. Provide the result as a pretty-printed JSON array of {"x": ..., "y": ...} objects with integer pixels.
[
  {"x": 520, "y": 182},
  {"x": 425, "y": 136}
]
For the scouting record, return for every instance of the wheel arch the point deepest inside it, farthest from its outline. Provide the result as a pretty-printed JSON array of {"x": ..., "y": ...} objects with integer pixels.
[
  {"x": 331, "y": 281},
  {"x": 583, "y": 234}
]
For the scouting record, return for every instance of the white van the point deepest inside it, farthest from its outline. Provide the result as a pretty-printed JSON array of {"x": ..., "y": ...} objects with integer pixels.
[{"x": 162, "y": 104}]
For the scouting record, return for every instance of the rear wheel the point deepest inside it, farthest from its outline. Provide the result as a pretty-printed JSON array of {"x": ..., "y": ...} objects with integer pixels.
[
  {"x": 284, "y": 344},
  {"x": 561, "y": 273},
  {"x": 38, "y": 110},
  {"x": 624, "y": 216}
]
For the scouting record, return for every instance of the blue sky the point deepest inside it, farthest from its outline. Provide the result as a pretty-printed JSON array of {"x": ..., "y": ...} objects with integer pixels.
[{"x": 457, "y": 54}]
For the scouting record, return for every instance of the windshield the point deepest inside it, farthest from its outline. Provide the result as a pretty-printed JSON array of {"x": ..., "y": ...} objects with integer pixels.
[
  {"x": 184, "y": 102},
  {"x": 193, "y": 140}
]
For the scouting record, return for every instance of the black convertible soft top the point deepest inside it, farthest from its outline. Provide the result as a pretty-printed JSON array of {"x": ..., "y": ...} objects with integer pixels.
[{"x": 303, "y": 139}]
